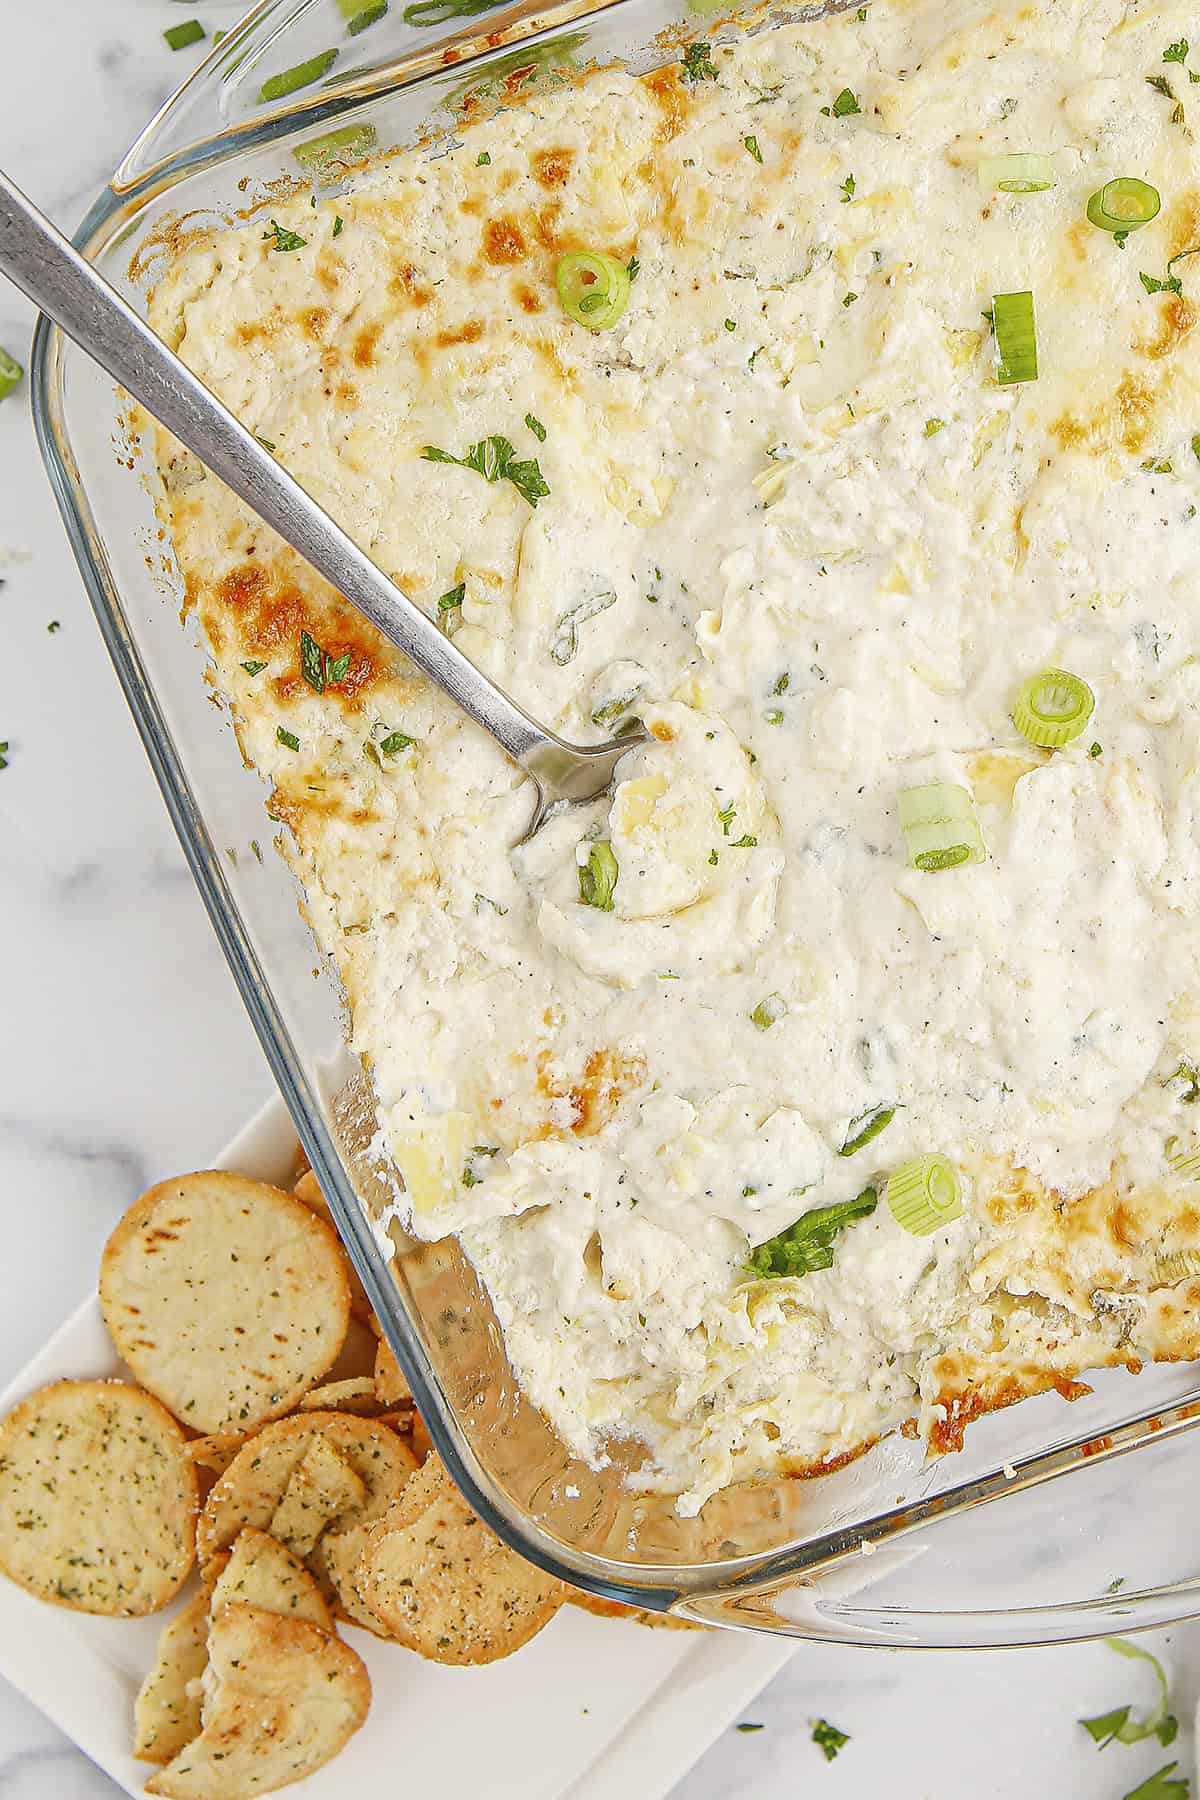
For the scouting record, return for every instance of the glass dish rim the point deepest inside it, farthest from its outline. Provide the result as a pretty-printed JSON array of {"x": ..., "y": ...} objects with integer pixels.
[{"x": 727, "y": 1587}]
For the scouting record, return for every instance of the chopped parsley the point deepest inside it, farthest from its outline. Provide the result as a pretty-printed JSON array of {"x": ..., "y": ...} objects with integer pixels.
[
  {"x": 395, "y": 742},
  {"x": 495, "y": 459},
  {"x": 318, "y": 668},
  {"x": 826, "y": 1736},
  {"x": 483, "y": 159},
  {"x": 747, "y": 842},
  {"x": 1160, "y": 1786},
  {"x": 53, "y": 626},
  {"x": 1162, "y": 86},
  {"x": 726, "y": 814},
  {"x": 751, "y": 143},
  {"x": 847, "y": 190},
  {"x": 1171, "y": 284},
  {"x": 844, "y": 105},
  {"x": 1117, "y": 1725},
  {"x": 1095, "y": 751},
  {"x": 633, "y": 268},
  {"x": 338, "y": 225},
  {"x": 535, "y": 425},
  {"x": 698, "y": 63},
  {"x": 746, "y": 1725},
  {"x": 731, "y": 324},
  {"x": 284, "y": 239},
  {"x": 933, "y": 426},
  {"x": 449, "y": 608},
  {"x": 287, "y": 738},
  {"x": 1157, "y": 465},
  {"x": 849, "y": 301},
  {"x": 254, "y": 668},
  {"x": 713, "y": 858},
  {"x": 1177, "y": 53},
  {"x": 861, "y": 15}
]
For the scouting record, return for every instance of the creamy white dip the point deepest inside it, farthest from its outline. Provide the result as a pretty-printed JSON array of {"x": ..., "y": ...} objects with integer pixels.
[{"x": 824, "y": 548}]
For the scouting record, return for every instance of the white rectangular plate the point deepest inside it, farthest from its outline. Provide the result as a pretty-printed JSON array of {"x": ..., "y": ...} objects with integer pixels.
[{"x": 592, "y": 1709}]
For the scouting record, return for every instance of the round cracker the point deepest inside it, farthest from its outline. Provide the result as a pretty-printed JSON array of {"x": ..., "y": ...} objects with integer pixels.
[
  {"x": 308, "y": 1189},
  {"x": 286, "y": 1697},
  {"x": 446, "y": 1586},
  {"x": 97, "y": 1499},
  {"x": 255, "y": 1485},
  {"x": 227, "y": 1298}
]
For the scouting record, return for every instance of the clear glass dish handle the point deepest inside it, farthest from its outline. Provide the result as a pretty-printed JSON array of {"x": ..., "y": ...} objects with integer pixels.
[{"x": 39, "y": 260}]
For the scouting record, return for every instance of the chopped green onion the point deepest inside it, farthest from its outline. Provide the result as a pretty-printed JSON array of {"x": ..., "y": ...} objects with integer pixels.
[
  {"x": 1122, "y": 205},
  {"x": 564, "y": 645},
  {"x": 535, "y": 425},
  {"x": 4, "y": 754},
  {"x": 933, "y": 426},
  {"x": 1183, "y": 1159},
  {"x": 1118, "y": 1725},
  {"x": 348, "y": 140},
  {"x": 768, "y": 1012},
  {"x": 940, "y": 827},
  {"x": 616, "y": 708},
  {"x": 751, "y": 143},
  {"x": 254, "y": 668},
  {"x": 845, "y": 104},
  {"x": 1025, "y": 172},
  {"x": 593, "y": 288},
  {"x": 180, "y": 36},
  {"x": 865, "y": 1128},
  {"x": 10, "y": 374},
  {"x": 1052, "y": 708},
  {"x": 358, "y": 18},
  {"x": 808, "y": 1244},
  {"x": 1173, "y": 1266},
  {"x": 925, "y": 1195},
  {"x": 449, "y": 608},
  {"x": 287, "y": 738},
  {"x": 1016, "y": 338},
  {"x": 598, "y": 877},
  {"x": 277, "y": 87}
]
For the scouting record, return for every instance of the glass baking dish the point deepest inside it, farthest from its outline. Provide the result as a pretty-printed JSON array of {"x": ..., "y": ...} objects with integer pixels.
[{"x": 888, "y": 1550}]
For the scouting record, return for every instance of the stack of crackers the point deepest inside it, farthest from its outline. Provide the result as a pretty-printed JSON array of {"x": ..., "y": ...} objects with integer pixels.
[{"x": 272, "y": 1442}]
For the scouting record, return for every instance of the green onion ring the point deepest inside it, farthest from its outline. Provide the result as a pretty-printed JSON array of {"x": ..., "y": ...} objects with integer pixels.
[
  {"x": 1052, "y": 708},
  {"x": 1124, "y": 204},
  {"x": 593, "y": 288}
]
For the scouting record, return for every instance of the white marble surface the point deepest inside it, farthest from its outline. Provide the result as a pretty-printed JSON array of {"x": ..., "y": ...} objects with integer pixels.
[{"x": 125, "y": 1055}]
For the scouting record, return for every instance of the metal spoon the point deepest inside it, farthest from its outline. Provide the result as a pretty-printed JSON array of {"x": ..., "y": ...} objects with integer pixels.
[{"x": 47, "y": 268}]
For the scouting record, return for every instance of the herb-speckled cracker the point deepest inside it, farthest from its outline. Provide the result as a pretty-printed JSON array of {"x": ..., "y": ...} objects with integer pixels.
[
  {"x": 97, "y": 1498},
  {"x": 445, "y": 1585},
  {"x": 286, "y": 1697},
  {"x": 258, "y": 1481},
  {"x": 262, "y": 1572},
  {"x": 166, "y": 1713},
  {"x": 308, "y": 1189},
  {"x": 226, "y": 1297}
]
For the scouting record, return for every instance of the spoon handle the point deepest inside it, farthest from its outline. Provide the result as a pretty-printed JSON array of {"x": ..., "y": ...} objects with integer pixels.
[{"x": 50, "y": 271}]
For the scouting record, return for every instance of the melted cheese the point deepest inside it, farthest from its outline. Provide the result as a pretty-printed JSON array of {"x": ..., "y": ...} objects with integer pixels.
[{"x": 792, "y": 511}]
